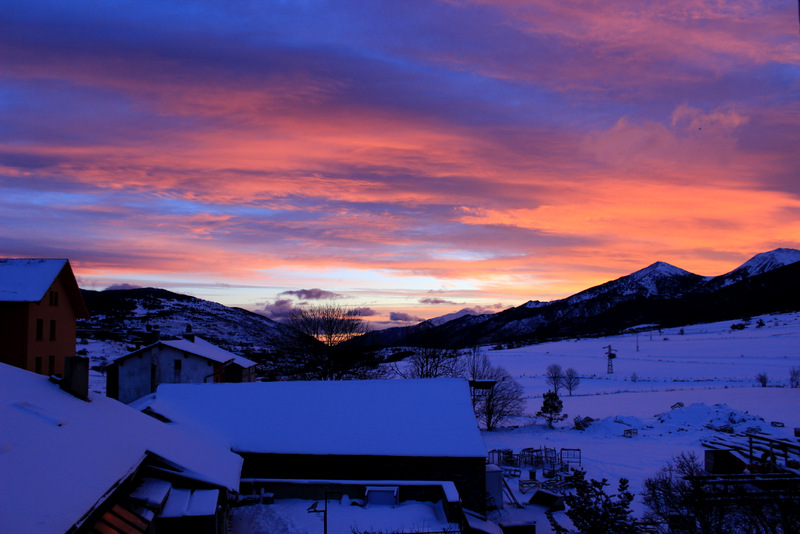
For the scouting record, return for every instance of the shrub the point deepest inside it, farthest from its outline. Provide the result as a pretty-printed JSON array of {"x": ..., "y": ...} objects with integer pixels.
[
  {"x": 762, "y": 379},
  {"x": 593, "y": 511},
  {"x": 794, "y": 377}
]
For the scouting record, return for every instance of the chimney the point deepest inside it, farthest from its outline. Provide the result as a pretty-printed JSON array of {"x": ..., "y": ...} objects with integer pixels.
[
  {"x": 189, "y": 335},
  {"x": 76, "y": 376}
]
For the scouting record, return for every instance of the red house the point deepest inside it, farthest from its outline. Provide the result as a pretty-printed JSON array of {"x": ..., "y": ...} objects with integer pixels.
[{"x": 39, "y": 304}]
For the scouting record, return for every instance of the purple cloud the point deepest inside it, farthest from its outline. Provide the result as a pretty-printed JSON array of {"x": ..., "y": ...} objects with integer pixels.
[
  {"x": 312, "y": 294},
  {"x": 278, "y": 310},
  {"x": 362, "y": 312},
  {"x": 403, "y": 317},
  {"x": 115, "y": 287},
  {"x": 434, "y": 300}
]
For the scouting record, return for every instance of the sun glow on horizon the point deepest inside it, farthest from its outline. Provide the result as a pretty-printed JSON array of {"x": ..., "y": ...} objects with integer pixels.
[{"x": 487, "y": 153}]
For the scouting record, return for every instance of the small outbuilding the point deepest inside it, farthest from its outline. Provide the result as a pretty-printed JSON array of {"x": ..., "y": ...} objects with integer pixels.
[
  {"x": 189, "y": 360},
  {"x": 387, "y": 430}
]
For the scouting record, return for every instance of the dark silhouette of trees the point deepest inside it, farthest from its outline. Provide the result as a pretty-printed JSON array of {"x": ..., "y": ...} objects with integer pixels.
[
  {"x": 502, "y": 401},
  {"x": 551, "y": 409},
  {"x": 498, "y": 396},
  {"x": 571, "y": 380},
  {"x": 683, "y": 496},
  {"x": 429, "y": 362},
  {"x": 554, "y": 376},
  {"x": 322, "y": 354},
  {"x": 762, "y": 379},
  {"x": 794, "y": 377},
  {"x": 593, "y": 511}
]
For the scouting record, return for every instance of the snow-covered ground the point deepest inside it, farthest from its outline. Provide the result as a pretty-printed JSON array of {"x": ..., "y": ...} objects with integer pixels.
[
  {"x": 101, "y": 353},
  {"x": 291, "y": 516},
  {"x": 709, "y": 368}
]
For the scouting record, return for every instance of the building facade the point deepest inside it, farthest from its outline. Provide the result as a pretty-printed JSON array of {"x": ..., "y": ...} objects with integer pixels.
[
  {"x": 191, "y": 360},
  {"x": 39, "y": 304}
]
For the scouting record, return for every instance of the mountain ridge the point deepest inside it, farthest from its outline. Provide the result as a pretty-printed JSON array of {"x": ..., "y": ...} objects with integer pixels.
[
  {"x": 140, "y": 315},
  {"x": 659, "y": 293}
]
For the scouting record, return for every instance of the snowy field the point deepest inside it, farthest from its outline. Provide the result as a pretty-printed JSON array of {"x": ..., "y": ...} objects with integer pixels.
[{"x": 709, "y": 368}]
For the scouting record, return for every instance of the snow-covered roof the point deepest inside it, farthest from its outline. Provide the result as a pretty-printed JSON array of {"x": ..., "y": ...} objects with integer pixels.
[
  {"x": 426, "y": 417},
  {"x": 199, "y": 347},
  {"x": 60, "y": 455},
  {"x": 27, "y": 280}
]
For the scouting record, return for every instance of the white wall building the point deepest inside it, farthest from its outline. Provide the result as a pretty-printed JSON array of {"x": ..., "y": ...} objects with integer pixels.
[{"x": 192, "y": 360}]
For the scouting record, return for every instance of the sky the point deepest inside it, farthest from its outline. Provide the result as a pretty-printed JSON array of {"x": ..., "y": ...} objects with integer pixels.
[{"x": 409, "y": 159}]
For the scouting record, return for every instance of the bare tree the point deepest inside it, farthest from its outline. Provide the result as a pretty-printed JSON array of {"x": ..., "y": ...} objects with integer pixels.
[
  {"x": 554, "y": 376},
  {"x": 502, "y": 399},
  {"x": 674, "y": 494},
  {"x": 794, "y": 377},
  {"x": 682, "y": 497},
  {"x": 429, "y": 362},
  {"x": 571, "y": 380},
  {"x": 323, "y": 357},
  {"x": 762, "y": 379},
  {"x": 328, "y": 322},
  {"x": 501, "y": 402},
  {"x": 496, "y": 396}
]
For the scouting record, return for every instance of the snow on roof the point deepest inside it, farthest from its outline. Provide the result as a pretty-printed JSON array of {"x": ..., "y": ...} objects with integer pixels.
[
  {"x": 27, "y": 280},
  {"x": 60, "y": 455},
  {"x": 426, "y": 417},
  {"x": 201, "y": 347}
]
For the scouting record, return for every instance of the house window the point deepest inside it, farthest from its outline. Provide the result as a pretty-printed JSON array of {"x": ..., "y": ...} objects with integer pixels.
[
  {"x": 178, "y": 364},
  {"x": 38, "y": 365},
  {"x": 52, "y": 329},
  {"x": 39, "y": 329},
  {"x": 51, "y": 365},
  {"x": 53, "y": 298}
]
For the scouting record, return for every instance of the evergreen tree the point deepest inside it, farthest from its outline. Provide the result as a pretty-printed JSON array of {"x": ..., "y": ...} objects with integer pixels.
[
  {"x": 593, "y": 511},
  {"x": 551, "y": 409}
]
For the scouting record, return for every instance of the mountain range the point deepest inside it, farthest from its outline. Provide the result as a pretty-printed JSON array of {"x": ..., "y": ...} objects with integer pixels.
[{"x": 660, "y": 295}]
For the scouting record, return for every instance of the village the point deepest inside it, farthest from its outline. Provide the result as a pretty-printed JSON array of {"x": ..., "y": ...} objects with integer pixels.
[
  {"x": 186, "y": 440},
  {"x": 202, "y": 438}
]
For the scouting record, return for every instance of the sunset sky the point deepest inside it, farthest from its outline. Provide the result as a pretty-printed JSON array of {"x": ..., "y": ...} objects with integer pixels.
[{"x": 409, "y": 157}]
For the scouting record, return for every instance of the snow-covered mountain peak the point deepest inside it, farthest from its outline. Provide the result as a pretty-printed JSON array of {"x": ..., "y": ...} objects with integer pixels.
[
  {"x": 659, "y": 279},
  {"x": 535, "y": 304},
  {"x": 436, "y": 321},
  {"x": 767, "y": 261},
  {"x": 758, "y": 264},
  {"x": 658, "y": 269}
]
